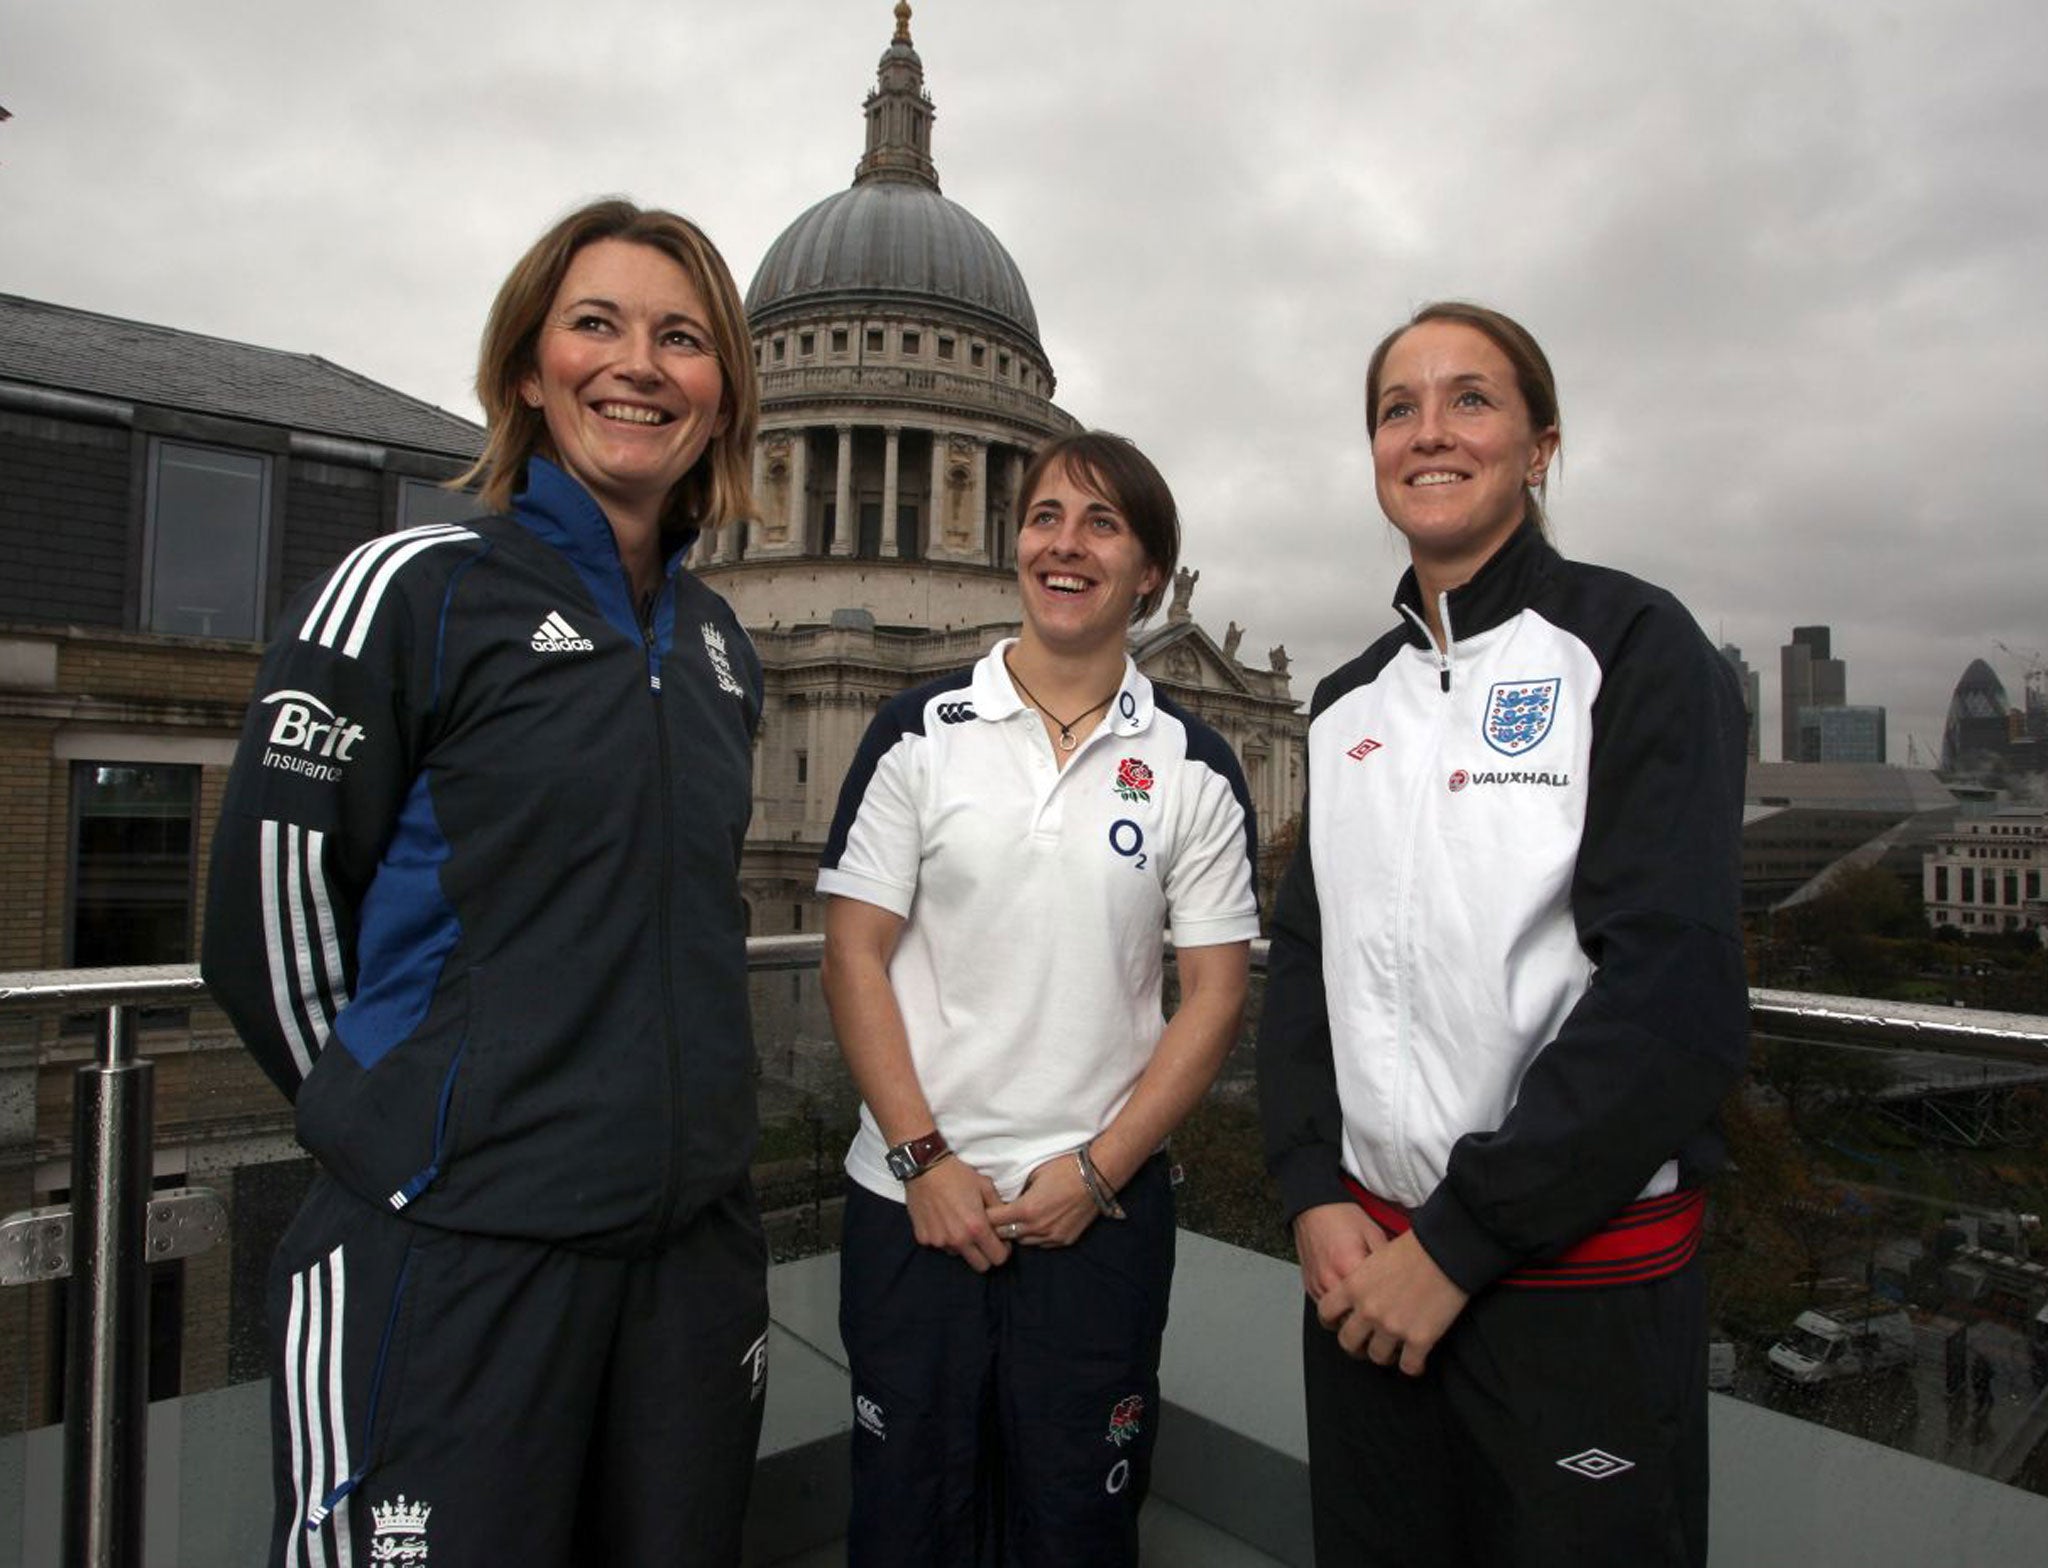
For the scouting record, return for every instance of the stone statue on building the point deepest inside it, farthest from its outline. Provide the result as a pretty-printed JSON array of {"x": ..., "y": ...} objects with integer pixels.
[
  {"x": 1279, "y": 658},
  {"x": 1183, "y": 590},
  {"x": 1232, "y": 636}
]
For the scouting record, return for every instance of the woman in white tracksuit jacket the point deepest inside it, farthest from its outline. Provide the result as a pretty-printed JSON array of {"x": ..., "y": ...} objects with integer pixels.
[{"x": 1506, "y": 997}]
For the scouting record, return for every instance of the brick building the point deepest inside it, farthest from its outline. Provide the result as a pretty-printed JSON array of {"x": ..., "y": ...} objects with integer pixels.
[{"x": 162, "y": 495}]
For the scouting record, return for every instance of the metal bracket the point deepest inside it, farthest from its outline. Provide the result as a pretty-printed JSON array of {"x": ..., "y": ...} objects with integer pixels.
[{"x": 182, "y": 1221}]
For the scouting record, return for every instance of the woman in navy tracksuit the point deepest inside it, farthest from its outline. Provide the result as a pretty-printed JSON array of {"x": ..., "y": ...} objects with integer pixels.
[
  {"x": 1506, "y": 996},
  {"x": 475, "y": 907}
]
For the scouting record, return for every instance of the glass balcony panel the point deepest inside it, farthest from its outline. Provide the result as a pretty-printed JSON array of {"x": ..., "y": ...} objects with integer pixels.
[{"x": 1876, "y": 1266}]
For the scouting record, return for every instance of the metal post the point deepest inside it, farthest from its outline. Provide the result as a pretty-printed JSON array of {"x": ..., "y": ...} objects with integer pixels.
[{"x": 106, "y": 1390}]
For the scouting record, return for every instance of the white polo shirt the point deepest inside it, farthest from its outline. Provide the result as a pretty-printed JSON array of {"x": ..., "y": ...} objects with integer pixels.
[{"x": 1029, "y": 968}]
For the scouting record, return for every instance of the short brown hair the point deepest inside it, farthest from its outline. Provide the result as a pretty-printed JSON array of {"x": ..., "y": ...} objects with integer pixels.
[
  {"x": 718, "y": 489},
  {"x": 1533, "y": 377},
  {"x": 1113, "y": 467}
]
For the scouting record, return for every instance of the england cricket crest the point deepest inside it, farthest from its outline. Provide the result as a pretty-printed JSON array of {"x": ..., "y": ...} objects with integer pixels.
[
  {"x": 1518, "y": 715},
  {"x": 398, "y": 1532}
]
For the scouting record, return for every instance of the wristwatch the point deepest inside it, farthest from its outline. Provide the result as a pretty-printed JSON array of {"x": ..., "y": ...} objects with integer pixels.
[{"x": 908, "y": 1161}]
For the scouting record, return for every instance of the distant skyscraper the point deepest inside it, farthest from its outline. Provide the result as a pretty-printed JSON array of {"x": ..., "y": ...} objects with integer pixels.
[
  {"x": 1752, "y": 695},
  {"x": 1977, "y": 731},
  {"x": 1841, "y": 734},
  {"x": 1807, "y": 678}
]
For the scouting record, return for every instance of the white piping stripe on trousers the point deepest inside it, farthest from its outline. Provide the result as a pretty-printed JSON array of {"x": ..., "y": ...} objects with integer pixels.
[
  {"x": 316, "y": 1416},
  {"x": 273, "y": 942},
  {"x": 337, "y": 1407},
  {"x": 323, "y": 622},
  {"x": 295, "y": 1538}
]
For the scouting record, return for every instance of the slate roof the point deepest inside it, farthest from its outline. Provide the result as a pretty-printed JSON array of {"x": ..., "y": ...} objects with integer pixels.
[{"x": 79, "y": 351}]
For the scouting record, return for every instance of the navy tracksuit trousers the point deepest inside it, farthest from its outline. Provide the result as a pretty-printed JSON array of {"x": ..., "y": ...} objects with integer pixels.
[
  {"x": 1006, "y": 1419},
  {"x": 448, "y": 1400},
  {"x": 1550, "y": 1429}
]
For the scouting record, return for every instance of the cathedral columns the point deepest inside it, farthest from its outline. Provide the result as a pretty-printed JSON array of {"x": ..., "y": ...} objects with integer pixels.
[
  {"x": 842, "y": 507},
  {"x": 976, "y": 499},
  {"x": 891, "y": 436},
  {"x": 935, "y": 514},
  {"x": 798, "y": 517},
  {"x": 754, "y": 525}
]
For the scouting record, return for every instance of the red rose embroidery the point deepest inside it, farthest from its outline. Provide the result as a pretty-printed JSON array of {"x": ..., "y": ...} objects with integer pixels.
[
  {"x": 1133, "y": 779},
  {"x": 1126, "y": 1420}
]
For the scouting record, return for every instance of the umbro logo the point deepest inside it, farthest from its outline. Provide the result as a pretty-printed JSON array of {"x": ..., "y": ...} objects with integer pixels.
[
  {"x": 1363, "y": 749},
  {"x": 555, "y": 635},
  {"x": 955, "y": 712},
  {"x": 1596, "y": 1464}
]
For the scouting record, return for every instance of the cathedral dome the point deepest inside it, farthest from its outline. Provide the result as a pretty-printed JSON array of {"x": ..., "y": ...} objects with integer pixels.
[
  {"x": 889, "y": 239},
  {"x": 893, "y": 239}
]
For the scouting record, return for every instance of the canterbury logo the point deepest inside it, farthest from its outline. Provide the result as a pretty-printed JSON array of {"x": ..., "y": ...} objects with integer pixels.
[
  {"x": 1363, "y": 749},
  {"x": 555, "y": 635},
  {"x": 955, "y": 712}
]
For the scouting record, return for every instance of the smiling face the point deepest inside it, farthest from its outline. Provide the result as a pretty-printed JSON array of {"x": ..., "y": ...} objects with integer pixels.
[
  {"x": 625, "y": 377},
  {"x": 1080, "y": 566},
  {"x": 1454, "y": 450}
]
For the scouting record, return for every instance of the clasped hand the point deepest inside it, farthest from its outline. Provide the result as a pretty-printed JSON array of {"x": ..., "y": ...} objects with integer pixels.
[
  {"x": 1386, "y": 1299},
  {"x": 957, "y": 1209}
]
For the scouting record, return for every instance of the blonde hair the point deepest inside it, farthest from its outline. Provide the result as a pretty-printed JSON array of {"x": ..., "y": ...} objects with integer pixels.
[{"x": 718, "y": 489}]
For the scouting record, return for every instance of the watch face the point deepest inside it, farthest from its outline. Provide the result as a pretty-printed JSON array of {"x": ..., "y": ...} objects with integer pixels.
[{"x": 901, "y": 1166}]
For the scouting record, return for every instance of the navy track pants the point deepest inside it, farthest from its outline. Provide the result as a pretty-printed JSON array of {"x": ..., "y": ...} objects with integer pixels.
[
  {"x": 1004, "y": 1418},
  {"x": 454, "y": 1400}
]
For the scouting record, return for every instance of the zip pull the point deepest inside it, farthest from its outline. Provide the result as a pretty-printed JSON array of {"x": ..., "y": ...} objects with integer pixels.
[
  {"x": 1443, "y": 655},
  {"x": 653, "y": 653},
  {"x": 1443, "y": 615}
]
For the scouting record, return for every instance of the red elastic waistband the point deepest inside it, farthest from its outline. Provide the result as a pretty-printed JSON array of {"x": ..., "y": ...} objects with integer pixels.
[{"x": 1650, "y": 1238}]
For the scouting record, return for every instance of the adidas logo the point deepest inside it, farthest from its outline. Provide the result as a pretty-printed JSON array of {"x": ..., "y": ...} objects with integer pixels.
[{"x": 555, "y": 635}]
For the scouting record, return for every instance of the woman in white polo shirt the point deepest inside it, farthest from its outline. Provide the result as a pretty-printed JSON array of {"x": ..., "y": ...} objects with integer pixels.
[{"x": 1010, "y": 842}]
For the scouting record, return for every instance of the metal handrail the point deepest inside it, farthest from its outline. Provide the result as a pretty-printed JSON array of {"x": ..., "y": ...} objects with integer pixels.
[
  {"x": 106, "y": 1393},
  {"x": 1846, "y": 1020}
]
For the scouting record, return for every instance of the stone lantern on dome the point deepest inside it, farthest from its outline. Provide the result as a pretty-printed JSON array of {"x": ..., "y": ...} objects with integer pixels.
[{"x": 903, "y": 387}]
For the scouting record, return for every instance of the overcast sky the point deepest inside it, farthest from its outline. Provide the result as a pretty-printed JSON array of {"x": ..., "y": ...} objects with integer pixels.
[{"x": 1789, "y": 257}]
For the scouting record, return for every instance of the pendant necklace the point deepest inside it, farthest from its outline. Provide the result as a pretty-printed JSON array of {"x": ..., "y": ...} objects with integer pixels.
[{"x": 1067, "y": 741}]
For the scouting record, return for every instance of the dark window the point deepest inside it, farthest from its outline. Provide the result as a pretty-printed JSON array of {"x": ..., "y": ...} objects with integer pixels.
[
  {"x": 422, "y": 501},
  {"x": 803, "y": 767},
  {"x": 839, "y": 340},
  {"x": 131, "y": 863},
  {"x": 874, "y": 340},
  {"x": 976, "y": 354},
  {"x": 1941, "y": 884},
  {"x": 945, "y": 348},
  {"x": 781, "y": 348},
  {"x": 911, "y": 341},
  {"x": 204, "y": 553},
  {"x": 806, "y": 343}
]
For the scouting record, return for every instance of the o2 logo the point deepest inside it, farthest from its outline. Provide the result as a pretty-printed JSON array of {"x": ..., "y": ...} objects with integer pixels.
[{"x": 1128, "y": 840}]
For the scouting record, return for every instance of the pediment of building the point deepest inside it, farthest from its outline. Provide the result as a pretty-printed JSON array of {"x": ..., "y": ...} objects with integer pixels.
[{"x": 1183, "y": 654}]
